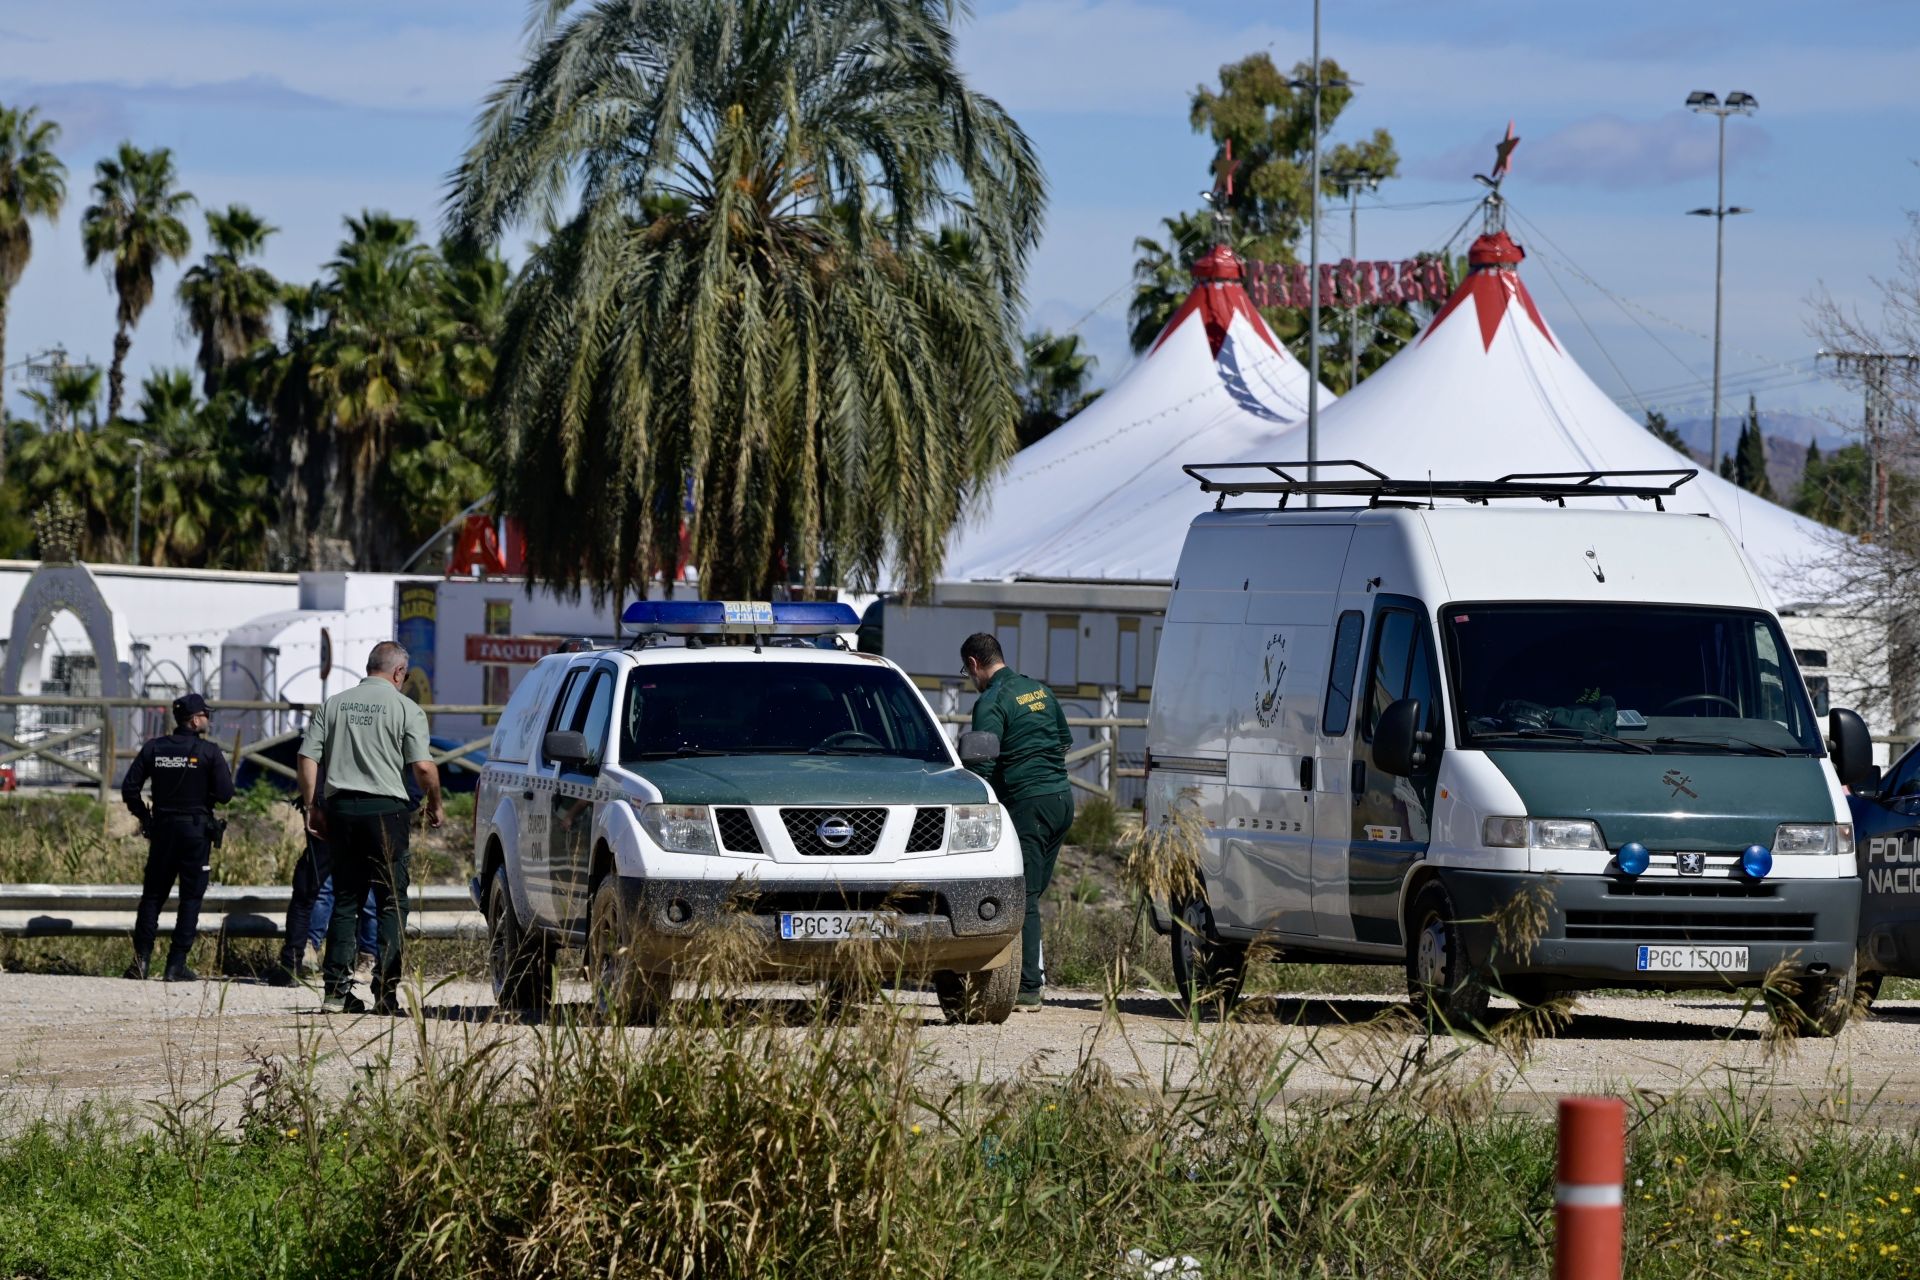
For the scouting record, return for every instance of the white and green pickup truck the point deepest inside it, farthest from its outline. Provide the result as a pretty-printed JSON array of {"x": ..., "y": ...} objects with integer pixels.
[{"x": 727, "y": 763}]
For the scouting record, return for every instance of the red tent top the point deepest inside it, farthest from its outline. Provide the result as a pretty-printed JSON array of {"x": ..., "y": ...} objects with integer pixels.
[
  {"x": 1493, "y": 282},
  {"x": 1218, "y": 297}
]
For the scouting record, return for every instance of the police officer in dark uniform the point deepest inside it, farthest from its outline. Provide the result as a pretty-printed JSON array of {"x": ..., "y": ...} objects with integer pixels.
[
  {"x": 1030, "y": 777},
  {"x": 190, "y": 776}
]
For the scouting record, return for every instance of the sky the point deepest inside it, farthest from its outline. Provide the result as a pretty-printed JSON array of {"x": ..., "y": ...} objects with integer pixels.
[{"x": 309, "y": 113}]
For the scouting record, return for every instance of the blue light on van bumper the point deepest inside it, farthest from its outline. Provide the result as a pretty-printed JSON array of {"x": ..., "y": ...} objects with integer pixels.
[
  {"x": 1632, "y": 858},
  {"x": 1756, "y": 861}
]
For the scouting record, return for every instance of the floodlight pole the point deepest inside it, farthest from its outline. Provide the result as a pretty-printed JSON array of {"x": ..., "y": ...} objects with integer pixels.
[
  {"x": 139, "y": 447},
  {"x": 1736, "y": 104},
  {"x": 1313, "y": 273},
  {"x": 1350, "y": 182}
]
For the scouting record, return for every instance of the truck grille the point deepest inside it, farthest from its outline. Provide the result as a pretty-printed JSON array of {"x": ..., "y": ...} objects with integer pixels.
[
  {"x": 803, "y": 828},
  {"x": 929, "y": 830},
  {"x": 736, "y": 831},
  {"x": 1692, "y": 926}
]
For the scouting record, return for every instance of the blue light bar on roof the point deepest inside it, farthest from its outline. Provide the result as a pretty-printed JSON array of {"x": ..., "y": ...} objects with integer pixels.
[{"x": 740, "y": 617}]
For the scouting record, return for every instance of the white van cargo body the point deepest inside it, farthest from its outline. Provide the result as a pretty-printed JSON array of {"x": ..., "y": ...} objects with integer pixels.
[{"x": 1530, "y": 748}]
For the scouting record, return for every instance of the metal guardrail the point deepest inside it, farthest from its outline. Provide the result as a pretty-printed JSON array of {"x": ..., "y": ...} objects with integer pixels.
[
  {"x": 228, "y": 911},
  {"x": 91, "y": 753}
]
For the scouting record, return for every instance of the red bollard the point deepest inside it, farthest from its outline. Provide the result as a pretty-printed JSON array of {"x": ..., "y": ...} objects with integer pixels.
[{"x": 1587, "y": 1214}]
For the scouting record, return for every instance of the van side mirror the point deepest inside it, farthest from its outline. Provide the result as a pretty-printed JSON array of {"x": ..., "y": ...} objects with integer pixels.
[
  {"x": 566, "y": 746},
  {"x": 1851, "y": 745},
  {"x": 977, "y": 746},
  {"x": 1399, "y": 743}
]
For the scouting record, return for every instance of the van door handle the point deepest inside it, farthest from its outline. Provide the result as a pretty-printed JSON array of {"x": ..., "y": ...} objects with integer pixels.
[
  {"x": 1359, "y": 779},
  {"x": 527, "y": 794},
  {"x": 1306, "y": 773}
]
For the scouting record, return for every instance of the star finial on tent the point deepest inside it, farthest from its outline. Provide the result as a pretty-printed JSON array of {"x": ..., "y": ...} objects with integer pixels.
[
  {"x": 1503, "y": 153},
  {"x": 1223, "y": 169}
]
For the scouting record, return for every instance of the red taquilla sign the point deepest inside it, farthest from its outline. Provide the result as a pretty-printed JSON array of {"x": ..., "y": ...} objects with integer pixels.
[
  {"x": 1348, "y": 283},
  {"x": 511, "y": 650}
]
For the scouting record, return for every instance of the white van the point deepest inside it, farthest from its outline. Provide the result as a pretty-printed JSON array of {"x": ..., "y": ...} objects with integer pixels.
[{"x": 1405, "y": 727}]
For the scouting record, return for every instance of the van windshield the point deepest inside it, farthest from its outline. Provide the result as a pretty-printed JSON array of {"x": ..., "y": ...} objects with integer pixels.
[
  {"x": 1650, "y": 678},
  {"x": 777, "y": 708}
]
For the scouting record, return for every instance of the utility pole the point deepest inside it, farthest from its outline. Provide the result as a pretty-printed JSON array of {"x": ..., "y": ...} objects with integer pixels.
[
  {"x": 1737, "y": 104},
  {"x": 1351, "y": 182},
  {"x": 1874, "y": 369},
  {"x": 46, "y": 369}
]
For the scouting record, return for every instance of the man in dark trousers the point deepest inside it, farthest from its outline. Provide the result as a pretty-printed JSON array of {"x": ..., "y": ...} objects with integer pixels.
[
  {"x": 366, "y": 739},
  {"x": 1029, "y": 776},
  {"x": 190, "y": 776}
]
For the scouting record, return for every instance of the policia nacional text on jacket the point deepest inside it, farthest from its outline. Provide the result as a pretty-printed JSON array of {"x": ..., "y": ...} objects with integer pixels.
[
  {"x": 190, "y": 776},
  {"x": 1030, "y": 777}
]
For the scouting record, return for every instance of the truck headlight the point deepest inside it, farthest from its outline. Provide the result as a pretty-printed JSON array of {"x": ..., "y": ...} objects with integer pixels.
[
  {"x": 1813, "y": 837},
  {"x": 679, "y": 828},
  {"x": 1542, "y": 833},
  {"x": 976, "y": 828}
]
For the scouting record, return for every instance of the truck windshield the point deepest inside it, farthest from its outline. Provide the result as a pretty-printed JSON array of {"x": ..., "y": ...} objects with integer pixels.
[
  {"x": 782, "y": 708},
  {"x": 1625, "y": 677}
]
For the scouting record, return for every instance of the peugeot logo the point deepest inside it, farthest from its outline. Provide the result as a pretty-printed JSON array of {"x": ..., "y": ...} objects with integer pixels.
[
  {"x": 834, "y": 832},
  {"x": 1691, "y": 864}
]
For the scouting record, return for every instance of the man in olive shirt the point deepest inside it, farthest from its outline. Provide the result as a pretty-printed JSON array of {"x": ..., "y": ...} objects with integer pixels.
[
  {"x": 366, "y": 738},
  {"x": 1030, "y": 777}
]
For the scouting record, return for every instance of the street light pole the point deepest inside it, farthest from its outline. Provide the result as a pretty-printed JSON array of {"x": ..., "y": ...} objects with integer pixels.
[
  {"x": 1351, "y": 182},
  {"x": 139, "y": 456},
  {"x": 1740, "y": 104},
  {"x": 1313, "y": 274}
]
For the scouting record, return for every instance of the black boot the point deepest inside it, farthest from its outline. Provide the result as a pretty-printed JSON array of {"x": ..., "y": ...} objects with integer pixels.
[
  {"x": 177, "y": 971},
  {"x": 137, "y": 971}
]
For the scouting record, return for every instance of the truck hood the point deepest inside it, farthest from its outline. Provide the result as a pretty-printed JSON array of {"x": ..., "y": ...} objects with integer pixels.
[
  {"x": 1707, "y": 803},
  {"x": 811, "y": 780}
]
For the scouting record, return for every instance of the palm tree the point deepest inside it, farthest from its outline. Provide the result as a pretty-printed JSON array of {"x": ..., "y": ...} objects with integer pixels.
[
  {"x": 229, "y": 301},
  {"x": 1053, "y": 385},
  {"x": 203, "y": 503},
  {"x": 1163, "y": 274},
  {"x": 33, "y": 184},
  {"x": 71, "y": 455},
  {"x": 134, "y": 222},
  {"x": 743, "y": 303},
  {"x": 383, "y": 336}
]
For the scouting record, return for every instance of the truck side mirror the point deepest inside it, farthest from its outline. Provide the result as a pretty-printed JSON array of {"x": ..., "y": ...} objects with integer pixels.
[
  {"x": 1399, "y": 743},
  {"x": 1851, "y": 745},
  {"x": 977, "y": 746},
  {"x": 566, "y": 746}
]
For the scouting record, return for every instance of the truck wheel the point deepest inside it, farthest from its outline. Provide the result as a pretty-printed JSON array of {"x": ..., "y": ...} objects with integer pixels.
[
  {"x": 520, "y": 964},
  {"x": 1442, "y": 986},
  {"x": 978, "y": 999},
  {"x": 1205, "y": 968},
  {"x": 1826, "y": 1003},
  {"x": 623, "y": 993}
]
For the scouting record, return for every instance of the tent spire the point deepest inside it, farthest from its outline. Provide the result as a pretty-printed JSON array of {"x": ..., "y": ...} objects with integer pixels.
[{"x": 1494, "y": 208}]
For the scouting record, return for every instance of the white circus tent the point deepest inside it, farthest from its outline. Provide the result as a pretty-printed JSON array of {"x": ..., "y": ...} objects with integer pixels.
[
  {"x": 1487, "y": 390},
  {"x": 1103, "y": 499}
]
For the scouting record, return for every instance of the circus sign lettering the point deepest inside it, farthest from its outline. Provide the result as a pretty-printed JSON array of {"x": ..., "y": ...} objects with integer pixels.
[{"x": 1349, "y": 283}]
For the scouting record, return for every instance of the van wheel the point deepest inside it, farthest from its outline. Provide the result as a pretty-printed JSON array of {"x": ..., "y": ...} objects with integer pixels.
[
  {"x": 978, "y": 999},
  {"x": 519, "y": 962},
  {"x": 1825, "y": 1004},
  {"x": 1866, "y": 990},
  {"x": 623, "y": 993},
  {"x": 1205, "y": 969},
  {"x": 1440, "y": 983}
]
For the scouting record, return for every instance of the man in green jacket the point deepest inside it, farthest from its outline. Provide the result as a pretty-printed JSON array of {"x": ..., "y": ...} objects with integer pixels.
[{"x": 1030, "y": 777}]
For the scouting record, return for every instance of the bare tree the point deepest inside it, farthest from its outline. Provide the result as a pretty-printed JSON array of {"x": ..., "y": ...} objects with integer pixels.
[{"x": 1871, "y": 583}]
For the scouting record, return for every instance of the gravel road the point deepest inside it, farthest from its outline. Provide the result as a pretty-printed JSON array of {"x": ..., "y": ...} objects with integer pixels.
[{"x": 66, "y": 1039}]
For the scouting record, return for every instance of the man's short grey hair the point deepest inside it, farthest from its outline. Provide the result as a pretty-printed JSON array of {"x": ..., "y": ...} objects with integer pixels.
[{"x": 388, "y": 655}]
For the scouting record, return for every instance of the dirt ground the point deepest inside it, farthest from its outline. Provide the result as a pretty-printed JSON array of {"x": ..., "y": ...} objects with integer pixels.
[{"x": 64, "y": 1040}]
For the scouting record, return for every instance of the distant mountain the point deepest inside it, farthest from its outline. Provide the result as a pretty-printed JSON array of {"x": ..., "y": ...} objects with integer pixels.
[{"x": 1795, "y": 428}]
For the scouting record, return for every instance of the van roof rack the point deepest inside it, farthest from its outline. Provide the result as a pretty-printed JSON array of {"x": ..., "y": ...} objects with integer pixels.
[{"x": 1374, "y": 485}]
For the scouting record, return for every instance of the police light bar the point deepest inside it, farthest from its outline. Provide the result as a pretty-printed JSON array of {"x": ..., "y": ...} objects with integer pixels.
[{"x": 739, "y": 617}]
